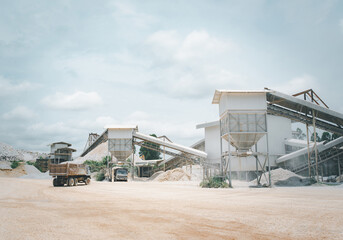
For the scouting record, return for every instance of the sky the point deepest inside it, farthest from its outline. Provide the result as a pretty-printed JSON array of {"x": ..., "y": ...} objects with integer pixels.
[{"x": 68, "y": 68}]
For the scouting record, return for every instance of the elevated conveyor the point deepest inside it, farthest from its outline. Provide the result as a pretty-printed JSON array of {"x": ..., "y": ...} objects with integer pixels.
[
  {"x": 299, "y": 110},
  {"x": 297, "y": 161},
  {"x": 185, "y": 151},
  {"x": 174, "y": 146},
  {"x": 101, "y": 139}
]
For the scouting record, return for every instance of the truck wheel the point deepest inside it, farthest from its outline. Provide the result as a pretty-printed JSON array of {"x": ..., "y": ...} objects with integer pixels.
[
  {"x": 88, "y": 181},
  {"x": 70, "y": 181},
  {"x": 60, "y": 182},
  {"x": 75, "y": 181},
  {"x": 54, "y": 182}
]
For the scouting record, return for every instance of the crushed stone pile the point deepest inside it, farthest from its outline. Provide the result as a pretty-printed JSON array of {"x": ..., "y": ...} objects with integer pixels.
[
  {"x": 33, "y": 173},
  {"x": 9, "y": 153},
  {"x": 176, "y": 174},
  {"x": 24, "y": 171},
  {"x": 283, "y": 177},
  {"x": 97, "y": 154}
]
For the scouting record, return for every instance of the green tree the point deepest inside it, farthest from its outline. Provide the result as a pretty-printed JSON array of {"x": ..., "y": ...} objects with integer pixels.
[
  {"x": 334, "y": 136},
  {"x": 317, "y": 138},
  {"x": 326, "y": 136},
  {"x": 148, "y": 153}
]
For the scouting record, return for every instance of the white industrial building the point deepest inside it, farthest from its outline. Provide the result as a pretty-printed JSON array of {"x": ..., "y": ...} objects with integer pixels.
[
  {"x": 279, "y": 130},
  {"x": 251, "y": 136},
  {"x": 257, "y": 123}
]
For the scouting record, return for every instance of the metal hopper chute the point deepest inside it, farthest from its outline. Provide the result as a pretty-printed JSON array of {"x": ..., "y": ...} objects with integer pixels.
[{"x": 244, "y": 129}]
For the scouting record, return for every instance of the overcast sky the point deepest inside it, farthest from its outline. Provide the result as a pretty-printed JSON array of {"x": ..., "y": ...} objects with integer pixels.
[{"x": 68, "y": 68}]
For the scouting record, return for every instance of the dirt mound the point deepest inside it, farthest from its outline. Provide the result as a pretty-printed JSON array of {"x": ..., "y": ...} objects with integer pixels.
[
  {"x": 97, "y": 154},
  {"x": 283, "y": 177},
  {"x": 17, "y": 172},
  {"x": 176, "y": 174}
]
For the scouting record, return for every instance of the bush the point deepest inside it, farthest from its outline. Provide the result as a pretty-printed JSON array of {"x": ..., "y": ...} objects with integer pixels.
[
  {"x": 100, "y": 176},
  {"x": 15, "y": 164},
  {"x": 38, "y": 166},
  {"x": 95, "y": 166},
  {"x": 214, "y": 182},
  {"x": 35, "y": 164}
]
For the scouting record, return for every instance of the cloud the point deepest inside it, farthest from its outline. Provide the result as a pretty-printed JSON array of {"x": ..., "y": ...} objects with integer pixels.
[
  {"x": 297, "y": 84},
  {"x": 125, "y": 12},
  {"x": 197, "y": 45},
  {"x": 97, "y": 124},
  {"x": 19, "y": 113},
  {"x": 116, "y": 68},
  {"x": 8, "y": 88},
  {"x": 188, "y": 66},
  {"x": 147, "y": 123},
  {"x": 76, "y": 101}
]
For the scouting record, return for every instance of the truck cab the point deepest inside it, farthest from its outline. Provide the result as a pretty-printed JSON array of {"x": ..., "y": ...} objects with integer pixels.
[{"x": 119, "y": 174}]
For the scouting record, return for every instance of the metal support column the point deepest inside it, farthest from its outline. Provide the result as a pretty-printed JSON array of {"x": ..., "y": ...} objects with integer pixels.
[
  {"x": 221, "y": 150},
  {"x": 339, "y": 169},
  {"x": 133, "y": 162},
  {"x": 270, "y": 179},
  {"x": 229, "y": 160},
  {"x": 257, "y": 175},
  {"x": 267, "y": 139},
  {"x": 308, "y": 152},
  {"x": 315, "y": 143}
]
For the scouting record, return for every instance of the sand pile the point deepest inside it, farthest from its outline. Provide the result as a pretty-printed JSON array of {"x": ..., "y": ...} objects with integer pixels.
[
  {"x": 155, "y": 175},
  {"x": 97, "y": 154},
  {"x": 17, "y": 172},
  {"x": 283, "y": 177},
  {"x": 176, "y": 174}
]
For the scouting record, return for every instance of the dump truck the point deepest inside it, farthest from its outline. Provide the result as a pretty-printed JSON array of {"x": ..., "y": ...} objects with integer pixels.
[
  {"x": 119, "y": 174},
  {"x": 70, "y": 174}
]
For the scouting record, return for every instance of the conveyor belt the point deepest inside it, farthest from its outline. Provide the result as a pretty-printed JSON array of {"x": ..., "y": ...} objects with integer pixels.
[{"x": 302, "y": 111}]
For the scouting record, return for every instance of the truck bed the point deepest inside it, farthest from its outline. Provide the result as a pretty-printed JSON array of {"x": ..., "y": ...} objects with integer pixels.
[{"x": 68, "y": 169}]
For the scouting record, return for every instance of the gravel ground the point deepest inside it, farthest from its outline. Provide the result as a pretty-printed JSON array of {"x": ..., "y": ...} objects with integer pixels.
[{"x": 33, "y": 209}]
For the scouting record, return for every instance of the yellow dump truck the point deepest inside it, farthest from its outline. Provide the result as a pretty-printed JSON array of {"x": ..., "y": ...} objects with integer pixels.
[{"x": 69, "y": 173}]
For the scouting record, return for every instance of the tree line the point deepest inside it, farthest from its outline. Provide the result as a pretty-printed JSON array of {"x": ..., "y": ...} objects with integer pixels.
[{"x": 326, "y": 136}]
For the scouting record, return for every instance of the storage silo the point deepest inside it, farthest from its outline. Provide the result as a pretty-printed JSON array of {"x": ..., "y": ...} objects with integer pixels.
[
  {"x": 243, "y": 122},
  {"x": 120, "y": 141}
]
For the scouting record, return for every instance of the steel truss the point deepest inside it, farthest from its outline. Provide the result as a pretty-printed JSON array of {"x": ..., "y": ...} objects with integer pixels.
[{"x": 184, "y": 157}]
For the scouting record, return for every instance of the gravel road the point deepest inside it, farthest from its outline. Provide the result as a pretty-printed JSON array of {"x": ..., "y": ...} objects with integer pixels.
[{"x": 33, "y": 209}]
